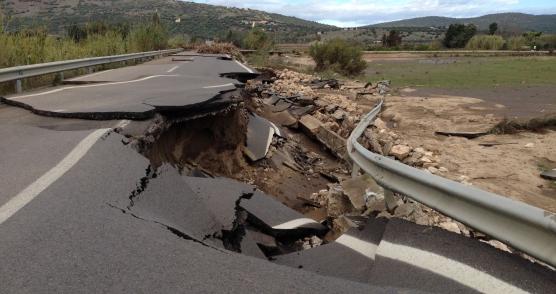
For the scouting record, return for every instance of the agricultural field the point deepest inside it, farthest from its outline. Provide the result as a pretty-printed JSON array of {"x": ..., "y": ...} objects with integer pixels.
[{"x": 465, "y": 72}]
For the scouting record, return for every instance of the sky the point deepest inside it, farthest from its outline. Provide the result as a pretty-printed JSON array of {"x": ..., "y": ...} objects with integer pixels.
[{"x": 349, "y": 13}]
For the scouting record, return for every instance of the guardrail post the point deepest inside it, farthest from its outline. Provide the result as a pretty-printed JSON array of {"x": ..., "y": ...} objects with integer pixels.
[
  {"x": 90, "y": 70},
  {"x": 61, "y": 76},
  {"x": 355, "y": 170},
  {"x": 18, "y": 88}
]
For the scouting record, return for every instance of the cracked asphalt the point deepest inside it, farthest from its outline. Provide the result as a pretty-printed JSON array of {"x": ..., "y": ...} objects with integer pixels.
[{"x": 82, "y": 211}]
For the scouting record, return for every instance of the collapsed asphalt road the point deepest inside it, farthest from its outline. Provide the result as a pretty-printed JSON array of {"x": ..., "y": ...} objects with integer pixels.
[
  {"x": 138, "y": 206},
  {"x": 138, "y": 92}
]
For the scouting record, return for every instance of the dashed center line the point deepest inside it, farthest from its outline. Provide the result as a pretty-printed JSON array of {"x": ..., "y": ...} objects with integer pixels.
[
  {"x": 173, "y": 68},
  {"x": 218, "y": 86}
]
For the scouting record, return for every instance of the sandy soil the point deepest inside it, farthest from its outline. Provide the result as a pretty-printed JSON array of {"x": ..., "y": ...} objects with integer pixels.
[
  {"x": 511, "y": 169},
  {"x": 518, "y": 102}
]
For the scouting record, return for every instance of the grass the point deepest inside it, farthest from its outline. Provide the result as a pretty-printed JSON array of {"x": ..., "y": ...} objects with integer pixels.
[
  {"x": 465, "y": 72},
  {"x": 36, "y": 46}
]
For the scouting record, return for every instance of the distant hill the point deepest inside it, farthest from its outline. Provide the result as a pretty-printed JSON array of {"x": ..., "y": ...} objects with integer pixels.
[
  {"x": 195, "y": 19},
  {"x": 511, "y": 22}
]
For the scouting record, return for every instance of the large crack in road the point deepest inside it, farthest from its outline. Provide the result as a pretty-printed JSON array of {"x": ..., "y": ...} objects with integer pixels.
[{"x": 238, "y": 175}]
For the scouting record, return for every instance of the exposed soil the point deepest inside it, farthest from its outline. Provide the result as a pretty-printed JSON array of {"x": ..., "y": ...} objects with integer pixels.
[
  {"x": 213, "y": 143},
  {"x": 511, "y": 169},
  {"x": 511, "y": 102}
]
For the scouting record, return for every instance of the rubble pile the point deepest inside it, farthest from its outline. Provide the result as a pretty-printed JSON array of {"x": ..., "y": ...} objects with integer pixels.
[
  {"x": 379, "y": 139},
  {"x": 363, "y": 197},
  {"x": 329, "y": 111},
  {"x": 290, "y": 83},
  {"x": 329, "y": 101}
]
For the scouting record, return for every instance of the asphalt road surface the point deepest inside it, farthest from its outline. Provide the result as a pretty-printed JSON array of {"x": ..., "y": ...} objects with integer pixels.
[
  {"x": 136, "y": 92},
  {"x": 82, "y": 212}
]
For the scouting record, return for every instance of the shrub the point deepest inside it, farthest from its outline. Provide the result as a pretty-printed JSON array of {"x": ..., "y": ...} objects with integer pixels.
[
  {"x": 458, "y": 35},
  {"x": 257, "y": 39},
  {"x": 178, "y": 42},
  {"x": 517, "y": 43},
  {"x": 338, "y": 55},
  {"x": 149, "y": 37},
  {"x": 485, "y": 42}
]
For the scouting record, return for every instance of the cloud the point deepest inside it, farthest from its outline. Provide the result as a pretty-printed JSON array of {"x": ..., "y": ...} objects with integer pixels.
[{"x": 363, "y": 12}]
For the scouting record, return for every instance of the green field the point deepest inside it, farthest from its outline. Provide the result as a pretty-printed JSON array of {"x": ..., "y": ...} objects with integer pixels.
[{"x": 465, "y": 72}]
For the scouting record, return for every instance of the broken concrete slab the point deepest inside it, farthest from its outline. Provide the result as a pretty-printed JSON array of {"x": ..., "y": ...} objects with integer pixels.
[
  {"x": 337, "y": 203},
  {"x": 283, "y": 118},
  {"x": 300, "y": 111},
  {"x": 340, "y": 114},
  {"x": 332, "y": 141},
  {"x": 350, "y": 257},
  {"x": 359, "y": 189},
  {"x": 310, "y": 125},
  {"x": 259, "y": 137}
]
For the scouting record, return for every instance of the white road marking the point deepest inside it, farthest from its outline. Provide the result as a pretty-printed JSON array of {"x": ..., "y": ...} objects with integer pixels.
[
  {"x": 448, "y": 268},
  {"x": 28, "y": 194},
  {"x": 91, "y": 86},
  {"x": 122, "y": 124},
  {"x": 59, "y": 110},
  {"x": 296, "y": 223},
  {"x": 245, "y": 67},
  {"x": 218, "y": 86},
  {"x": 91, "y": 75},
  {"x": 173, "y": 68},
  {"x": 364, "y": 248}
]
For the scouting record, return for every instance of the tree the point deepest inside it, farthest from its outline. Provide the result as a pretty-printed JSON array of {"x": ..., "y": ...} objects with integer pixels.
[
  {"x": 492, "y": 28},
  {"x": 392, "y": 40},
  {"x": 458, "y": 35}
]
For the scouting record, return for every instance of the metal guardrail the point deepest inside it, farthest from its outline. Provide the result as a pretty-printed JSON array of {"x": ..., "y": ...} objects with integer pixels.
[
  {"x": 527, "y": 228},
  {"x": 26, "y": 71}
]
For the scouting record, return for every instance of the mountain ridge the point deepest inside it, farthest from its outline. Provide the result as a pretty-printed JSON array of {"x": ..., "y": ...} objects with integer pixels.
[
  {"x": 509, "y": 21},
  {"x": 195, "y": 19}
]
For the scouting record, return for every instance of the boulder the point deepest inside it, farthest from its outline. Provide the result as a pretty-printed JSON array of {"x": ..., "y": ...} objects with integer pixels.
[
  {"x": 400, "y": 151},
  {"x": 331, "y": 108},
  {"x": 404, "y": 210},
  {"x": 338, "y": 203},
  {"x": 339, "y": 114},
  {"x": 379, "y": 123}
]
